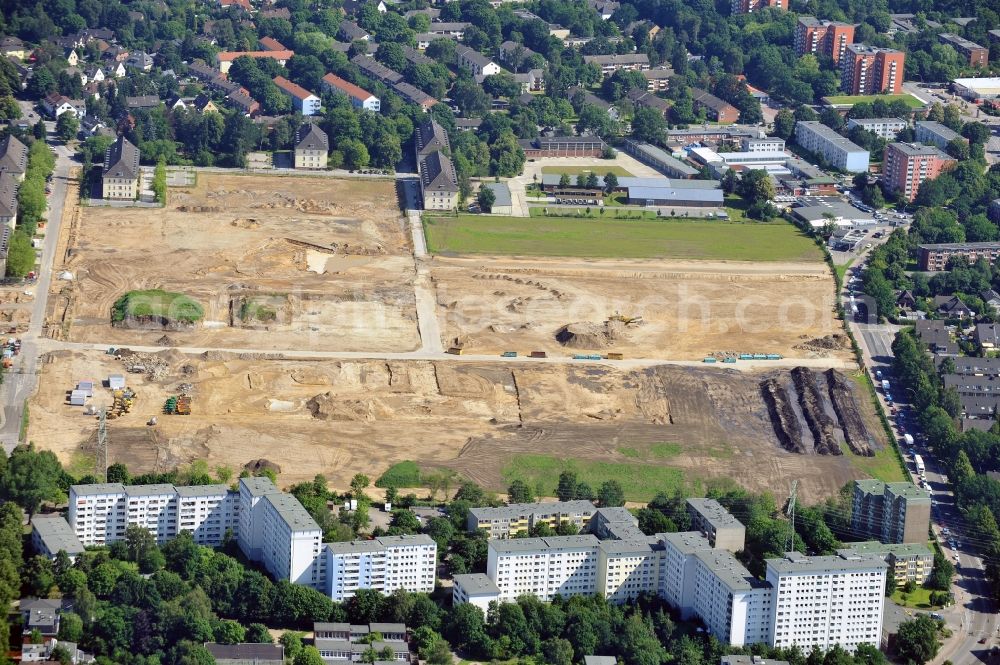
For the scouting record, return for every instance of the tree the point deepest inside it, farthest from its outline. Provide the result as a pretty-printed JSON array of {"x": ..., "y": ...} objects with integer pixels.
[
  {"x": 564, "y": 181},
  {"x": 610, "y": 182},
  {"x": 784, "y": 124},
  {"x": 519, "y": 492},
  {"x": 566, "y": 491},
  {"x": 308, "y": 656},
  {"x": 611, "y": 494},
  {"x": 358, "y": 484},
  {"x": 649, "y": 125},
  {"x": 20, "y": 255},
  {"x": 31, "y": 477},
  {"x": 917, "y": 640},
  {"x": 486, "y": 198},
  {"x": 67, "y": 126},
  {"x": 292, "y": 641}
]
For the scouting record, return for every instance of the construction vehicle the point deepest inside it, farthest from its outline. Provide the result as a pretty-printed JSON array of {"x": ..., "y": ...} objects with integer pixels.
[
  {"x": 184, "y": 405},
  {"x": 509, "y": 354},
  {"x": 627, "y": 320},
  {"x": 539, "y": 354},
  {"x": 170, "y": 406}
]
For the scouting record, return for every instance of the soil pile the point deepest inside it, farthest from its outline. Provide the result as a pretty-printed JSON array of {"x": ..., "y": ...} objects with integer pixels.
[
  {"x": 783, "y": 417},
  {"x": 842, "y": 397},
  {"x": 811, "y": 401},
  {"x": 834, "y": 342},
  {"x": 589, "y": 335},
  {"x": 258, "y": 465}
]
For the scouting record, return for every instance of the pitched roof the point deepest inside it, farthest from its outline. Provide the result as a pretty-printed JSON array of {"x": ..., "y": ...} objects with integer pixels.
[
  {"x": 8, "y": 194},
  {"x": 247, "y": 652},
  {"x": 372, "y": 68},
  {"x": 352, "y": 30},
  {"x": 346, "y": 87},
  {"x": 272, "y": 44},
  {"x": 277, "y": 55},
  {"x": 122, "y": 160},
  {"x": 430, "y": 136},
  {"x": 142, "y": 102},
  {"x": 311, "y": 137},
  {"x": 414, "y": 95},
  {"x": 293, "y": 89},
  {"x": 13, "y": 155},
  {"x": 438, "y": 173}
]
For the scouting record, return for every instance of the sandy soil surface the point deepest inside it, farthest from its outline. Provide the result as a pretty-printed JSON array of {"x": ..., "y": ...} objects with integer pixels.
[
  {"x": 688, "y": 309},
  {"x": 342, "y": 418},
  {"x": 330, "y": 258}
]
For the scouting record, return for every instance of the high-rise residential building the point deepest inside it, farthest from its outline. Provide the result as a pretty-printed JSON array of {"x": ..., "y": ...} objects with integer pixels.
[
  {"x": 750, "y": 6},
  {"x": 890, "y": 512},
  {"x": 677, "y": 569},
  {"x": 722, "y": 530},
  {"x": 735, "y": 606},
  {"x": 829, "y": 38},
  {"x": 826, "y": 600},
  {"x": 207, "y": 512},
  {"x": 544, "y": 567},
  {"x": 291, "y": 542},
  {"x": 868, "y": 70},
  {"x": 836, "y": 150},
  {"x": 384, "y": 564},
  {"x": 907, "y": 165}
]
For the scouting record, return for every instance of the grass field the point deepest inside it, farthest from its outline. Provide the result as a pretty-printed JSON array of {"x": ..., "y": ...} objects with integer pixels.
[
  {"x": 610, "y": 238},
  {"x": 158, "y": 304},
  {"x": 920, "y": 599},
  {"x": 640, "y": 481},
  {"x": 599, "y": 169},
  {"x": 910, "y": 100},
  {"x": 883, "y": 466}
]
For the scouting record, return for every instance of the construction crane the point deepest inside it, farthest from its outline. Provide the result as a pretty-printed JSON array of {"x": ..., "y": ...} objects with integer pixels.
[{"x": 791, "y": 514}]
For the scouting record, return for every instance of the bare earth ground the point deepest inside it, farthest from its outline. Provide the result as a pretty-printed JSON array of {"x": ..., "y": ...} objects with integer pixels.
[
  {"x": 688, "y": 308},
  {"x": 330, "y": 257},
  {"x": 344, "y": 417}
]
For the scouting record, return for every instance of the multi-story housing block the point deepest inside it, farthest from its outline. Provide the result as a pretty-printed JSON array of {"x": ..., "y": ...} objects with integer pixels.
[
  {"x": 823, "y": 601},
  {"x": 936, "y": 256},
  {"x": 508, "y": 521},
  {"x": 829, "y": 38},
  {"x": 302, "y": 100},
  {"x": 735, "y": 606},
  {"x": 544, "y": 567},
  {"x": 51, "y": 535},
  {"x": 474, "y": 61},
  {"x": 750, "y": 6},
  {"x": 908, "y": 562},
  {"x": 312, "y": 147},
  {"x": 291, "y": 542},
  {"x": 907, "y": 165},
  {"x": 722, "y": 530},
  {"x": 868, "y": 70},
  {"x": 832, "y": 147},
  {"x": 610, "y": 64},
  {"x": 627, "y": 568},
  {"x": 677, "y": 569},
  {"x": 890, "y": 512},
  {"x": 978, "y": 56},
  {"x": 934, "y": 133},
  {"x": 207, "y": 512},
  {"x": 385, "y": 564},
  {"x": 359, "y": 97},
  {"x": 887, "y": 128}
]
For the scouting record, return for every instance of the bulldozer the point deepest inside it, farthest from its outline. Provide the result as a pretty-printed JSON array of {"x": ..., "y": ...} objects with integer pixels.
[{"x": 627, "y": 320}]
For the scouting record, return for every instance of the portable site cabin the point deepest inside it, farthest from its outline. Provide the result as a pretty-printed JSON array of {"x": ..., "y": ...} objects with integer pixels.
[
  {"x": 86, "y": 387},
  {"x": 77, "y": 398},
  {"x": 116, "y": 382}
]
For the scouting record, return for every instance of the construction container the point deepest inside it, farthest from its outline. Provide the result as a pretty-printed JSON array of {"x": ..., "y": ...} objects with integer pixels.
[
  {"x": 509, "y": 354},
  {"x": 116, "y": 382},
  {"x": 539, "y": 354},
  {"x": 760, "y": 356},
  {"x": 77, "y": 398},
  {"x": 729, "y": 359},
  {"x": 746, "y": 356},
  {"x": 615, "y": 356},
  {"x": 455, "y": 350},
  {"x": 774, "y": 356},
  {"x": 87, "y": 387},
  {"x": 709, "y": 359}
]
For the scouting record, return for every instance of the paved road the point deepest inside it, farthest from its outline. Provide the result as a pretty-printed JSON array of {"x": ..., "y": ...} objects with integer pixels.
[{"x": 20, "y": 382}]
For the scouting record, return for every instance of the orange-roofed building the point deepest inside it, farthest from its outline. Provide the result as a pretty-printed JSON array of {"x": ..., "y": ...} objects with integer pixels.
[
  {"x": 360, "y": 98},
  {"x": 303, "y": 101}
]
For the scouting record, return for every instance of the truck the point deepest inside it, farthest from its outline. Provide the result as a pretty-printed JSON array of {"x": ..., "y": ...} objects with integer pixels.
[
  {"x": 918, "y": 461},
  {"x": 908, "y": 439},
  {"x": 885, "y": 385}
]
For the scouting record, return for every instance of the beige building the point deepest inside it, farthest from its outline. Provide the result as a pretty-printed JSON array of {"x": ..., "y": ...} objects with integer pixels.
[
  {"x": 908, "y": 562},
  {"x": 722, "y": 530},
  {"x": 890, "y": 512},
  {"x": 508, "y": 521},
  {"x": 311, "y": 147},
  {"x": 121, "y": 176}
]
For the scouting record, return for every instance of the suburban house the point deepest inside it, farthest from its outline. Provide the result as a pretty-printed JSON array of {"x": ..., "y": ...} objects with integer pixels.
[
  {"x": 476, "y": 62},
  {"x": 55, "y": 105},
  {"x": 715, "y": 108},
  {"x": 243, "y": 102},
  {"x": 352, "y": 32},
  {"x": 142, "y": 102},
  {"x": 311, "y": 147},
  {"x": 988, "y": 336},
  {"x": 246, "y": 654},
  {"x": 952, "y": 307},
  {"x": 204, "y": 104},
  {"x": 610, "y": 64},
  {"x": 359, "y": 97},
  {"x": 226, "y": 58},
  {"x": 303, "y": 101},
  {"x": 120, "y": 179}
]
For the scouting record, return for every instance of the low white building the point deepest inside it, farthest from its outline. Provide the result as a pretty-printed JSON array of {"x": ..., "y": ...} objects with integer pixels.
[
  {"x": 475, "y": 589},
  {"x": 51, "y": 534},
  {"x": 836, "y": 150}
]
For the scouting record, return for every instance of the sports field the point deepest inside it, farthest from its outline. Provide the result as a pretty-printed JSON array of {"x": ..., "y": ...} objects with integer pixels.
[
  {"x": 910, "y": 100},
  {"x": 622, "y": 239},
  {"x": 599, "y": 169}
]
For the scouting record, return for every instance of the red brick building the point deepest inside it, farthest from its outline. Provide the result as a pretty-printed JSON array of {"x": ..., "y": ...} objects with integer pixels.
[
  {"x": 978, "y": 56},
  {"x": 829, "y": 38},
  {"x": 907, "y": 165},
  {"x": 867, "y": 70}
]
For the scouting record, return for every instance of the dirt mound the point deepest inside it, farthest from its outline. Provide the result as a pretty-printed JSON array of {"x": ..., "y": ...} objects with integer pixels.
[
  {"x": 246, "y": 223},
  {"x": 333, "y": 407},
  {"x": 589, "y": 335},
  {"x": 842, "y": 397},
  {"x": 811, "y": 401},
  {"x": 786, "y": 423},
  {"x": 834, "y": 342},
  {"x": 198, "y": 209},
  {"x": 166, "y": 340},
  {"x": 258, "y": 465}
]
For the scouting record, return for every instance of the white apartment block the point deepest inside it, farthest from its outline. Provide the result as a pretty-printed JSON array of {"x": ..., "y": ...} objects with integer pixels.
[
  {"x": 385, "y": 564},
  {"x": 627, "y": 568},
  {"x": 678, "y": 567},
  {"x": 100, "y": 513},
  {"x": 545, "y": 567},
  {"x": 735, "y": 606},
  {"x": 827, "y": 600},
  {"x": 291, "y": 543},
  {"x": 836, "y": 150},
  {"x": 250, "y": 535},
  {"x": 769, "y": 144},
  {"x": 887, "y": 128}
]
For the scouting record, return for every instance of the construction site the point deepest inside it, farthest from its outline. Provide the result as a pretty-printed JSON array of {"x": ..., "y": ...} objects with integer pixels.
[
  {"x": 302, "y": 349},
  {"x": 644, "y": 308},
  {"x": 282, "y": 263}
]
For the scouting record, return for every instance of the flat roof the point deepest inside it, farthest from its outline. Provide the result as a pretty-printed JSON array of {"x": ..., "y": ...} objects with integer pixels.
[
  {"x": 908, "y": 491},
  {"x": 514, "y": 545},
  {"x": 729, "y": 570},
  {"x": 688, "y": 542},
  {"x": 98, "y": 488},
  {"x": 552, "y": 179},
  {"x": 355, "y": 547},
  {"x": 897, "y": 549},
  {"x": 201, "y": 490},
  {"x": 541, "y": 507},
  {"x": 57, "y": 534},
  {"x": 794, "y": 563},
  {"x": 292, "y": 512},
  {"x": 501, "y": 192},
  {"x": 968, "y": 246},
  {"x": 714, "y": 513},
  {"x": 477, "y": 584},
  {"x": 918, "y": 150},
  {"x": 654, "y": 152},
  {"x": 159, "y": 489},
  {"x": 258, "y": 485},
  {"x": 680, "y": 194},
  {"x": 397, "y": 541}
]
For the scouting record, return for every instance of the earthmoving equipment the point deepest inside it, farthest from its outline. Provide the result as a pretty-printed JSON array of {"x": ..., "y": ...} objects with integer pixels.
[
  {"x": 627, "y": 320},
  {"x": 184, "y": 405}
]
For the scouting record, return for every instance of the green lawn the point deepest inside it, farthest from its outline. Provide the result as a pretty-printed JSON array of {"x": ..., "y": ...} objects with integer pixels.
[
  {"x": 610, "y": 238},
  {"x": 599, "y": 169},
  {"x": 400, "y": 474},
  {"x": 157, "y": 303},
  {"x": 657, "y": 451},
  {"x": 910, "y": 100},
  {"x": 640, "y": 481},
  {"x": 920, "y": 599}
]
